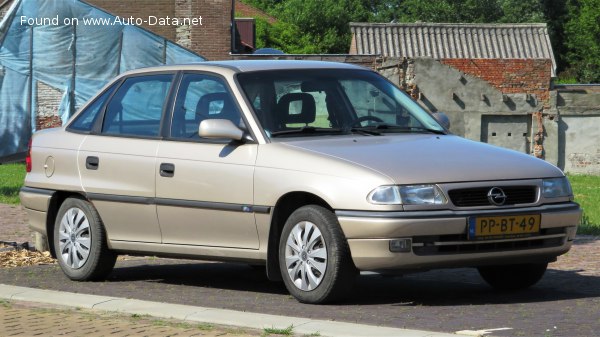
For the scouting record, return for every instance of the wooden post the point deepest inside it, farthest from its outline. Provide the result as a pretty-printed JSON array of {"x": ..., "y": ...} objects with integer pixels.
[{"x": 41, "y": 242}]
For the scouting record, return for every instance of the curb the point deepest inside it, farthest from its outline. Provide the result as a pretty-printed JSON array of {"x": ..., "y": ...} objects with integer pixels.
[{"x": 207, "y": 315}]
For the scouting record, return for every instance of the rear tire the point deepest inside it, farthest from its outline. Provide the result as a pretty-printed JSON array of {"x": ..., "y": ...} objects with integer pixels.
[
  {"x": 513, "y": 277},
  {"x": 80, "y": 242},
  {"x": 314, "y": 257}
]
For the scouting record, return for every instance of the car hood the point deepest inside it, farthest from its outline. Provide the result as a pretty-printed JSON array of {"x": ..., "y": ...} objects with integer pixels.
[{"x": 424, "y": 158}]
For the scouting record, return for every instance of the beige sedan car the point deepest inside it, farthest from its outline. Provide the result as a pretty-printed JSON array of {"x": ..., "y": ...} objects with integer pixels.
[{"x": 317, "y": 170}]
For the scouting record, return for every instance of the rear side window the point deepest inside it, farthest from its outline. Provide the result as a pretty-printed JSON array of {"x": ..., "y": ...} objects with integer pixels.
[
  {"x": 85, "y": 121},
  {"x": 136, "y": 108}
]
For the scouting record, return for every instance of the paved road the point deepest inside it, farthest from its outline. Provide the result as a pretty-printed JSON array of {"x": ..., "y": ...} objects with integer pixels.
[{"x": 565, "y": 303}]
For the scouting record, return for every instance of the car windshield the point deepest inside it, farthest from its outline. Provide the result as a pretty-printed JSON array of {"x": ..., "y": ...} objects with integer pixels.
[{"x": 295, "y": 103}]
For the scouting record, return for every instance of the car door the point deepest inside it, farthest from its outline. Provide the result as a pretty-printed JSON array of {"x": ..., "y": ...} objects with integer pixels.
[
  {"x": 117, "y": 162},
  {"x": 204, "y": 188}
]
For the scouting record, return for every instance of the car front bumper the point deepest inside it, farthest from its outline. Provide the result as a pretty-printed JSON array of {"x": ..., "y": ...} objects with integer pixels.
[{"x": 438, "y": 239}]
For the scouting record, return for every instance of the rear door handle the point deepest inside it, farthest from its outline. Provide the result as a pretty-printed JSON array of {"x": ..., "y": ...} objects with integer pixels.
[
  {"x": 92, "y": 163},
  {"x": 167, "y": 170}
]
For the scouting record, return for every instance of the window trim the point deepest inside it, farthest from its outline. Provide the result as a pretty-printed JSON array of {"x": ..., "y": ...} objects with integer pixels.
[
  {"x": 97, "y": 129},
  {"x": 167, "y": 130},
  {"x": 114, "y": 86}
]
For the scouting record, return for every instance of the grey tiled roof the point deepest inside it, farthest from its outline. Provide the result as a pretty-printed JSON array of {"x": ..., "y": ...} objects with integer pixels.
[{"x": 454, "y": 40}]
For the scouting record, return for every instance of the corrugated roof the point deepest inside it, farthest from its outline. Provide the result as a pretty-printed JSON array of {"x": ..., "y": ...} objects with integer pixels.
[{"x": 454, "y": 40}]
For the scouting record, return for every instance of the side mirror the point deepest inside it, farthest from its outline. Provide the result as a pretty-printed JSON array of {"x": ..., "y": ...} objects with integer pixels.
[
  {"x": 443, "y": 119},
  {"x": 219, "y": 129}
]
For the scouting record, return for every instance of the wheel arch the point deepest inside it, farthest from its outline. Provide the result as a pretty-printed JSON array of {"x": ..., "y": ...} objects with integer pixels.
[
  {"x": 55, "y": 202},
  {"x": 284, "y": 207}
]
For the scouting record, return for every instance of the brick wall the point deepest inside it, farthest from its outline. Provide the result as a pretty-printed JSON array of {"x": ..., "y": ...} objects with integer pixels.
[
  {"x": 212, "y": 39},
  {"x": 141, "y": 9},
  {"x": 510, "y": 76},
  {"x": 48, "y": 101},
  {"x": 183, "y": 34}
]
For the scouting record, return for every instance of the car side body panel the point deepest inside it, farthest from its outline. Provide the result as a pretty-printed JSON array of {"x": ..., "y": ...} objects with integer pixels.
[
  {"x": 122, "y": 186},
  {"x": 209, "y": 199}
]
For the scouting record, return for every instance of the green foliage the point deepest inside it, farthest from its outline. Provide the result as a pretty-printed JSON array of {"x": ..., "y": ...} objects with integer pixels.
[
  {"x": 324, "y": 23},
  {"x": 448, "y": 11},
  {"x": 583, "y": 43},
  {"x": 520, "y": 11},
  {"x": 586, "y": 189},
  {"x": 322, "y": 26},
  {"x": 11, "y": 180},
  {"x": 281, "y": 332}
]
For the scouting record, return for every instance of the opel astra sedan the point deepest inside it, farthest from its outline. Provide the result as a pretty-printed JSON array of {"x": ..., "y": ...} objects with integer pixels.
[{"x": 316, "y": 170}]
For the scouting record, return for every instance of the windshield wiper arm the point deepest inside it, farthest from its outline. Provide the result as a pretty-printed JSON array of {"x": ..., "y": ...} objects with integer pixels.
[
  {"x": 383, "y": 126},
  {"x": 419, "y": 128},
  {"x": 365, "y": 131},
  {"x": 304, "y": 129}
]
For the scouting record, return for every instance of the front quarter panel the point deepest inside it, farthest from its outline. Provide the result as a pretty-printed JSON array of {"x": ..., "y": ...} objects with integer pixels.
[{"x": 282, "y": 169}]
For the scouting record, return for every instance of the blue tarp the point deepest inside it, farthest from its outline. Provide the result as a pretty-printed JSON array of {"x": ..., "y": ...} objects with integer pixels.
[{"x": 77, "y": 59}]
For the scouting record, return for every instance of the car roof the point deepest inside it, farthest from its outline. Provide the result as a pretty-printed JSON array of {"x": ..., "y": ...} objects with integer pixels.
[{"x": 251, "y": 65}]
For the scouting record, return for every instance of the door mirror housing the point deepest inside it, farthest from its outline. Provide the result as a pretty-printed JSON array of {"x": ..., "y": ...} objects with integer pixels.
[
  {"x": 443, "y": 119},
  {"x": 219, "y": 129}
]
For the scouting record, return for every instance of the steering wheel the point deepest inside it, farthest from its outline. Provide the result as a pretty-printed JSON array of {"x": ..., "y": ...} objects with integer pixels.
[{"x": 359, "y": 120}]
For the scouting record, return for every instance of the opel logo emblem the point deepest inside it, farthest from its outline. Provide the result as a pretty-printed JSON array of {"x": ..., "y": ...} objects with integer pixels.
[{"x": 496, "y": 196}]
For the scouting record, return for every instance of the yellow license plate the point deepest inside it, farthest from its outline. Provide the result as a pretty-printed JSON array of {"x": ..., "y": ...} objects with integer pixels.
[{"x": 501, "y": 227}]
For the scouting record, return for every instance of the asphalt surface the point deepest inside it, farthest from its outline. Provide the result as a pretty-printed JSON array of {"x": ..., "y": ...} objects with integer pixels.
[{"x": 565, "y": 303}]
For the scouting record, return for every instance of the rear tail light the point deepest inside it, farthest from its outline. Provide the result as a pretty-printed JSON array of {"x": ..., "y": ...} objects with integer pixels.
[{"x": 28, "y": 158}]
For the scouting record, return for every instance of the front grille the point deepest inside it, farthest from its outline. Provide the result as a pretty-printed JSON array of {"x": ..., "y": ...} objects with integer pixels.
[
  {"x": 472, "y": 197},
  {"x": 458, "y": 244}
]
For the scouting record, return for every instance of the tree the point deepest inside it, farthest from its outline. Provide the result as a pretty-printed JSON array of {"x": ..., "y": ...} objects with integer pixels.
[
  {"x": 520, "y": 11},
  {"x": 323, "y": 22},
  {"x": 438, "y": 11},
  {"x": 583, "y": 39}
]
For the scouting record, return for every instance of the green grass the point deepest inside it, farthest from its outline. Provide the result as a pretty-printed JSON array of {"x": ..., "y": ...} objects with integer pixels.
[
  {"x": 587, "y": 193},
  {"x": 278, "y": 332},
  {"x": 11, "y": 180}
]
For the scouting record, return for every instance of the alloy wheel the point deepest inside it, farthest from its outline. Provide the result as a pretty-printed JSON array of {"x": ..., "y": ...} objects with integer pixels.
[
  {"x": 306, "y": 256},
  {"x": 74, "y": 238}
]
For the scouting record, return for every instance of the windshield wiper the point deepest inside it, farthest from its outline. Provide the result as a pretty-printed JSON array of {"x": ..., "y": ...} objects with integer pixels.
[
  {"x": 384, "y": 126},
  {"x": 304, "y": 130},
  {"x": 365, "y": 131}
]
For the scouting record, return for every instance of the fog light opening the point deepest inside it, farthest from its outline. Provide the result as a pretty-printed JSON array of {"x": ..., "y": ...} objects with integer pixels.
[{"x": 400, "y": 246}]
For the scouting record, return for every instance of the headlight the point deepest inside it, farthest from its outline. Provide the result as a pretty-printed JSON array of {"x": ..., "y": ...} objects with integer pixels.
[
  {"x": 556, "y": 188},
  {"x": 407, "y": 195}
]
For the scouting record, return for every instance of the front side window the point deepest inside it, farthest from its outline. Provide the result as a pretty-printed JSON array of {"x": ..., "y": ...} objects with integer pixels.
[
  {"x": 136, "y": 108},
  {"x": 202, "y": 97},
  {"x": 296, "y": 103}
]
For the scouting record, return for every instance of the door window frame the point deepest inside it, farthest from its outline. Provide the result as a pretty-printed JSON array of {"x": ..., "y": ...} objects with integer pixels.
[{"x": 169, "y": 121}]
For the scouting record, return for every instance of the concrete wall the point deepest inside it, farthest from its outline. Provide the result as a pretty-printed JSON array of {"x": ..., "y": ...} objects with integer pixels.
[
  {"x": 502, "y": 102},
  {"x": 579, "y": 128}
]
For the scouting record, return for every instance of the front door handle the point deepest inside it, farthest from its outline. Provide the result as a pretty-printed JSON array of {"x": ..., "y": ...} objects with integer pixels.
[
  {"x": 92, "y": 163},
  {"x": 167, "y": 170}
]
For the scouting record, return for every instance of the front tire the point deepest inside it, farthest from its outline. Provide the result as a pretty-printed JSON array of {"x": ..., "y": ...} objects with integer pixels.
[
  {"x": 314, "y": 257},
  {"x": 514, "y": 276},
  {"x": 80, "y": 242}
]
